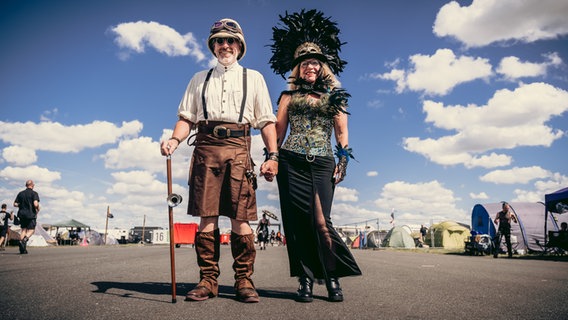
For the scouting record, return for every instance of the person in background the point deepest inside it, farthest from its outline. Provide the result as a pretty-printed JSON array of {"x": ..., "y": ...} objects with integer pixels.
[
  {"x": 262, "y": 231},
  {"x": 224, "y": 103},
  {"x": 27, "y": 202},
  {"x": 5, "y": 217},
  {"x": 314, "y": 106},
  {"x": 423, "y": 232},
  {"x": 503, "y": 218}
]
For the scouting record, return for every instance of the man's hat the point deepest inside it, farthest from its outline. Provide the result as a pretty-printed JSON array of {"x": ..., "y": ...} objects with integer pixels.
[{"x": 227, "y": 28}]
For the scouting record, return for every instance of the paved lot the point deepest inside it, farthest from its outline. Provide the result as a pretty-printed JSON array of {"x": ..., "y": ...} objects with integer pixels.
[{"x": 133, "y": 282}]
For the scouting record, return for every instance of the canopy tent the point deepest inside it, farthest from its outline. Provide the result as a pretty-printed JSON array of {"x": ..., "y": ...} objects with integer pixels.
[
  {"x": 399, "y": 237},
  {"x": 556, "y": 202},
  {"x": 448, "y": 235},
  {"x": 70, "y": 224},
  {"x": 527, "y": 235}
]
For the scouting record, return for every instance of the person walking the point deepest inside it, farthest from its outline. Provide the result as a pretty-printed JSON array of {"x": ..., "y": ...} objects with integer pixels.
[
  {"x": 503, "y": 218},
  {"x": 223, "y": 104},
  {"x": 314, "y": 106},
  {"x": 5, "y": 217},
  {"x": 262, "y": 232},
  {"x": 27, "y": 202}
]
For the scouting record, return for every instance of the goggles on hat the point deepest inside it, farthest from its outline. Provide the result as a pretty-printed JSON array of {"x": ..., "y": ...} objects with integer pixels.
[
  {"x": 220, "y": 41},
  {"x": 227, "y": 25}
]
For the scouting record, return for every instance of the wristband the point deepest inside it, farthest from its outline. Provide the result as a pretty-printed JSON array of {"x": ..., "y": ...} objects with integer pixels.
[
  {"x": 176, "y": 139},
  {"x": 272, "y": 156}
]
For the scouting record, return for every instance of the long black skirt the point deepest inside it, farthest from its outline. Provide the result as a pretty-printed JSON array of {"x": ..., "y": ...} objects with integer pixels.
[{"x": 306, "y": 193}]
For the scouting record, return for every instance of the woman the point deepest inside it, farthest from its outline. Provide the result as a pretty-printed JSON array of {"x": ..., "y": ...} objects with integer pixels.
[
  {"x": 262, "y": 231},
  {"x": 313, "y": 108}
]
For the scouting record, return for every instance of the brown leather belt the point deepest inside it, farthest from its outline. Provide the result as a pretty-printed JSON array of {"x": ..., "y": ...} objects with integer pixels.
[{"x": 221, "y": 131}]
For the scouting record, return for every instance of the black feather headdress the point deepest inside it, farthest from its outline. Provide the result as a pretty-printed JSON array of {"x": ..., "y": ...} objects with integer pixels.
[{"x": 304, "y": 35}]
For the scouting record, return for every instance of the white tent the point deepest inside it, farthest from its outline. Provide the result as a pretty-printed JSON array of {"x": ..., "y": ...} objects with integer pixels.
[{"x": 40, "y": 238}]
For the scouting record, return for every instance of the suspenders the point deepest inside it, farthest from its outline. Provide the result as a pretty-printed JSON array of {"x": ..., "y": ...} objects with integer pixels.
[{"x": 243, "y": 102}]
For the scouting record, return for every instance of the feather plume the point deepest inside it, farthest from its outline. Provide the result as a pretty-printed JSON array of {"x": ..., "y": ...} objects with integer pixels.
[{"x": 297, "y": 29}]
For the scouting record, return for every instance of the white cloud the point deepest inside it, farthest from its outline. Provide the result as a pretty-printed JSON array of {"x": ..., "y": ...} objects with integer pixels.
[
  {"x": 372, "y": 174},
  {"x": 53, "y": 136},
  {"x": 480, "y": 196},
  {"x": 513, "y": 68},
  {"x": 19, "y": 156},
  {"x": 136, "y": 36},
  {"x": 140, "y": 153},
  {"x": 345, "y": 194},
  {"x": 37, "y": 174},
  {"x": 439, "y": 73},
  {"x": 425, "y": 199},
  {"x": 488, "y": 21},
  {"x": 509, "y": 120},
  {"x": 515, "y": 175},
  {"x": 550, "y": 184}
]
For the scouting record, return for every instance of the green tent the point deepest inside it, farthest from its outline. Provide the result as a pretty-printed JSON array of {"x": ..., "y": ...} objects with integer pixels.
[
  {"x": 70, "y": 224},
  {"x": 448, "y": 235},
  {"x": 398, "y": 237}
]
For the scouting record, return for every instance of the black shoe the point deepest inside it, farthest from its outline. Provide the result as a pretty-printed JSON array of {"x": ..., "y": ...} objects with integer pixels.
[
  {"x": 305, "y": 290},
  {"x": 22, "y": 246},
  {"x": 334, "y": 290}
]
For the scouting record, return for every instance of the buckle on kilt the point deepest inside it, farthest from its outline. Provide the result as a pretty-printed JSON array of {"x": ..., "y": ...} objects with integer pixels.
[{"x": 221, "y": 132}]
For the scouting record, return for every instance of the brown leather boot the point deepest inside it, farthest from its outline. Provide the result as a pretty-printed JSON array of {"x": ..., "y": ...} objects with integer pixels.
[
  {"x": 244, "y": 253},
  {"x": 207, "y": 249}
]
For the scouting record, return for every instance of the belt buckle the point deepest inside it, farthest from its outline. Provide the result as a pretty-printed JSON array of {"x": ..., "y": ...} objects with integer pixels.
[{"x": 221, "y": 132}]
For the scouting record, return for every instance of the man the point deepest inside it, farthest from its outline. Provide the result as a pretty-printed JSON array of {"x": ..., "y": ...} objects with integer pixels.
[
  {"x": 27, "y": 203},
  {"x": 4, "y": 218},
  {"x": 423, "y": 232},
  {"x": 224, "y": 103},
  {"x": 503, "y": 219}
]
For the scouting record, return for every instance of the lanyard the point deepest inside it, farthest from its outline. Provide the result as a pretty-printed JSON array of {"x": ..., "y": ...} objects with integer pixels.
[{"x": 243, "y": 102}]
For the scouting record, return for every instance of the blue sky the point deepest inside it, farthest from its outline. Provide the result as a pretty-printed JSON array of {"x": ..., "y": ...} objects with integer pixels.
[{"x": 453, "y": 103}]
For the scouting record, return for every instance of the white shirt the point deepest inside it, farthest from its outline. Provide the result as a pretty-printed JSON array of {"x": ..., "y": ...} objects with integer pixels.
[{"x": 223, "y": 97}]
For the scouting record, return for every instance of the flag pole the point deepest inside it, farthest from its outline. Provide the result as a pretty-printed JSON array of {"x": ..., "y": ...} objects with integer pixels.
[{"x": 106, "y": 225}]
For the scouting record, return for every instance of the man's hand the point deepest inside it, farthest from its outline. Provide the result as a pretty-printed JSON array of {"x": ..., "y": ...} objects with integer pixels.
[{"x": 269, "y": 169}]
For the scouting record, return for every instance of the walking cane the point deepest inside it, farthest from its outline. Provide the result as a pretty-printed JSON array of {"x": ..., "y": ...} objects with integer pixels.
[{"x": 173, "y": 200}]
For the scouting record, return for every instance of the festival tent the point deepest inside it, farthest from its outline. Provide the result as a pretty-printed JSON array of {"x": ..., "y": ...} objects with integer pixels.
[
  {"x": 556, "y": 205},
  {"x": 399, "y": 237},
  {"x": 448, "y": 235},
  {"x": 41, "y": 238},
  {"x": 527, "y": 235}
]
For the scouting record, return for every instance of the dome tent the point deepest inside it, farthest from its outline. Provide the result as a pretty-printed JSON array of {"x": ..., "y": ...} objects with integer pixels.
[
  {"x": 448, "y": 235},
  {"x": 398, "y": 237},
  {"x": 529, "y": 232}
]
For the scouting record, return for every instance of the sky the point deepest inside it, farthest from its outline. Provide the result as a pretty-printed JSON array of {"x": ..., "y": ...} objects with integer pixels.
[{"x": 454, "y": 103}]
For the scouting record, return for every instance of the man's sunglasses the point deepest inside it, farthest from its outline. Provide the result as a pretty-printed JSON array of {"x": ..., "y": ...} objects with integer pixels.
[
  {"x": 227, "y": 25},
  {"x": 229, "y": 41}
]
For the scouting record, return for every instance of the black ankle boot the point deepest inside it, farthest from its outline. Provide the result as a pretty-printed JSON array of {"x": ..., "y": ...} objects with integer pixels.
[
  {"x": 305, "y": 290},
  {"x": 334, "y": 290}
]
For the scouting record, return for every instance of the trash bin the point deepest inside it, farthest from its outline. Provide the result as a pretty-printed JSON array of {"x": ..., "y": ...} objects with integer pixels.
[{"x": 184, "y": 233}]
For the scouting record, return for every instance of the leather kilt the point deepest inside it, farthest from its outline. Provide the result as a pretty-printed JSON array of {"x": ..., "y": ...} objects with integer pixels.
[{"x": 217, "y": 182}]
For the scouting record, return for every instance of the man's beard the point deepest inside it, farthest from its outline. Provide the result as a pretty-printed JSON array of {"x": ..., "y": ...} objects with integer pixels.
[{"x": 228, "y": 59}]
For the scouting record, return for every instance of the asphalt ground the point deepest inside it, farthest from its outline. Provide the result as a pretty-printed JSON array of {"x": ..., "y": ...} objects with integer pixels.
[{"x": 134, "y": 282}]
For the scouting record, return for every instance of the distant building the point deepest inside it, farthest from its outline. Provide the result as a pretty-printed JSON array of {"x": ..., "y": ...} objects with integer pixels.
[{"x": 136, "y": 234}]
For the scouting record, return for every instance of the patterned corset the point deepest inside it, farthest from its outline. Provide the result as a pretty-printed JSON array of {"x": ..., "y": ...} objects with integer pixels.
[{"x": 310, "y": 132}]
